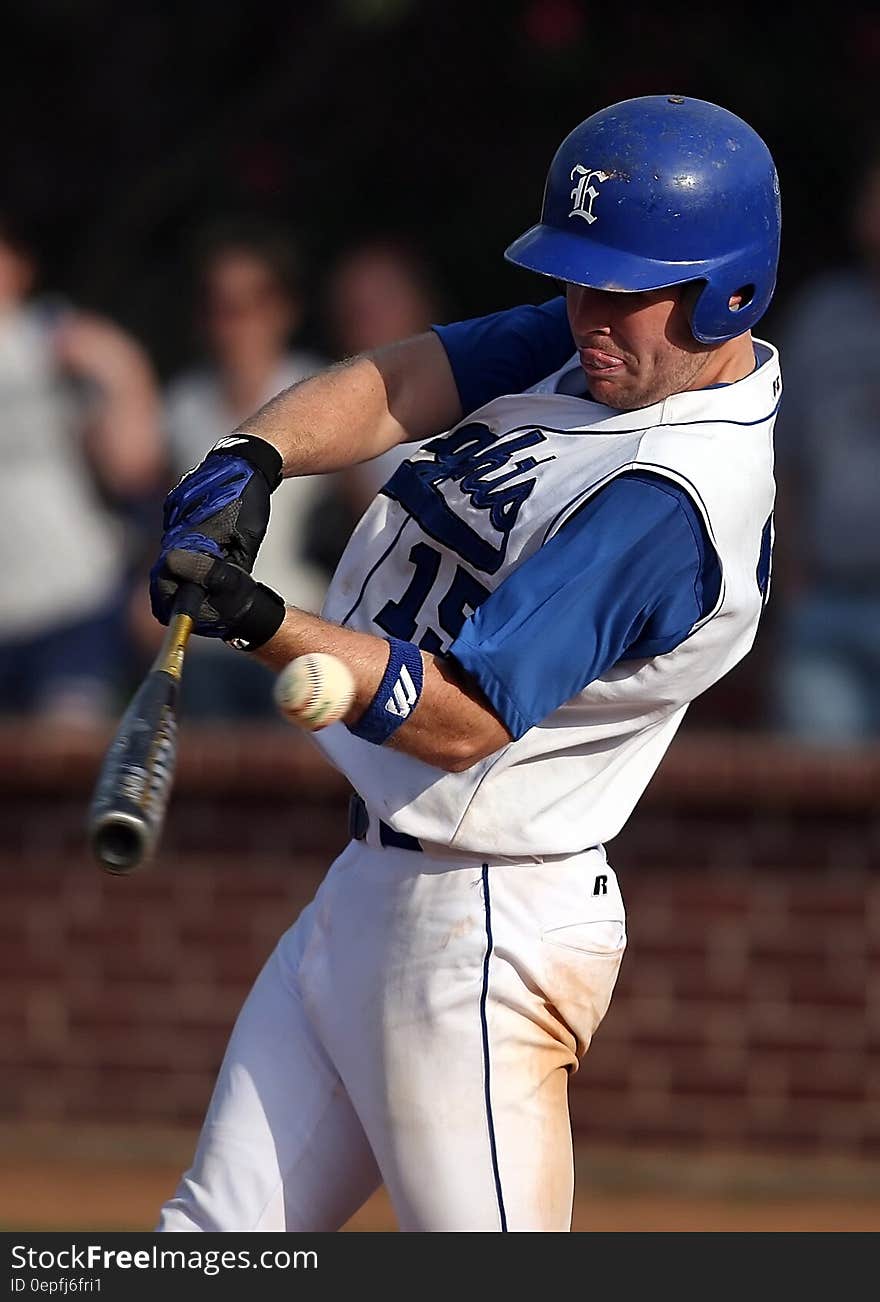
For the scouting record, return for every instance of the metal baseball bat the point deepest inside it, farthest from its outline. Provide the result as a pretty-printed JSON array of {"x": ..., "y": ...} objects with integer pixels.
[{"x": 131, "y": 793}]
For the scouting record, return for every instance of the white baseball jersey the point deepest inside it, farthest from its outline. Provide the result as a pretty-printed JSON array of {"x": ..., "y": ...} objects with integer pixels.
[{"x": 458, "y": 518}]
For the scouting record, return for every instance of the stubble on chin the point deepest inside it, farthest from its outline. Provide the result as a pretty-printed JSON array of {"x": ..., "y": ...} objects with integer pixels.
[
  {"x": 634, "y": 396},
  {"x": 622, "y": 397}
]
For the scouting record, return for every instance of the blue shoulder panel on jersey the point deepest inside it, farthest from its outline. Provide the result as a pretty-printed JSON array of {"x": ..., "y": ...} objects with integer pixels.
[
  {"x": 627, "y": 577},
  {"x": 506, "y": 352}
]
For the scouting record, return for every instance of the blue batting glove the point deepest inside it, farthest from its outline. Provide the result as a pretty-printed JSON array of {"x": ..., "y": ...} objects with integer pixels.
[{"x": 221, "y": 507}]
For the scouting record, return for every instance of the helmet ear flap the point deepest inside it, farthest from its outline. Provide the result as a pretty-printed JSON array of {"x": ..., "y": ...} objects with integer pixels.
[
  {"x": 725, "y": 308},
  {"x": 705, "y": 314}
]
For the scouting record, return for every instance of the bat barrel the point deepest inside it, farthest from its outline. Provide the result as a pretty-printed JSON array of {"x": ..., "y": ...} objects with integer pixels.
[
  {"x": 131, "y": 794},
  {"x": 120, "y": 841}
]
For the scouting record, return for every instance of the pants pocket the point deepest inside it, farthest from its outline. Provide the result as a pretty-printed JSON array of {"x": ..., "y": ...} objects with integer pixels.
[
  {"x": 581, "y": 963},
  {"x": 605, "y": 936}
]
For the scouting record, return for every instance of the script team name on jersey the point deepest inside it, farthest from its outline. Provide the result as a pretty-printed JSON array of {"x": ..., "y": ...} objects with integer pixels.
[{"x": 472, "y": 457}]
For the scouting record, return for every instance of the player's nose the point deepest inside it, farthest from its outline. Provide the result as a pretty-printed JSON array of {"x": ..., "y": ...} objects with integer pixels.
[{"x": 589, "y": 311}]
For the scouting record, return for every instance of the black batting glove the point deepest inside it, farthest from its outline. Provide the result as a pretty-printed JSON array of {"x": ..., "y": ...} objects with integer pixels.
[{"x": 236, "y": 608}]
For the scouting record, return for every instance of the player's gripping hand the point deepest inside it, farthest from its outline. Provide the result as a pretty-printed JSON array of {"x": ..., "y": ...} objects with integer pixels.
[
  {"x": 236, "y": 607},
  {"x": 220, "y": 507}
]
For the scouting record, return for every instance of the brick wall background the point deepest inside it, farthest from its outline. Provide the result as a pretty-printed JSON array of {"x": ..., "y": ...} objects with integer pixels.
[{"x": 747, "y": 1014}]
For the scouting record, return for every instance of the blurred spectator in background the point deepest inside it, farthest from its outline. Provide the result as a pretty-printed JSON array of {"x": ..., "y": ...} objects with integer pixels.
[
  {"x": 81, "y": 455},
  {"x": 249, "y": 309},
  {"x": 378, "y": 292},
  {"x": 826, "y": 680}
]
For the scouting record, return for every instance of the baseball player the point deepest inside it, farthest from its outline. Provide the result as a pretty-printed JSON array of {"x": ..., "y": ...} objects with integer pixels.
[{"x": 578, "y": 545}]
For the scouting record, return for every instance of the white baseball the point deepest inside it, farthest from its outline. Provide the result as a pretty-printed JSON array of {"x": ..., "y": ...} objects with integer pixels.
[{"x": 314, "y": 690}]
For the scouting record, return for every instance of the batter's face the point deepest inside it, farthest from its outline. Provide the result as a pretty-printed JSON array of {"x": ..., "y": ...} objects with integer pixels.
[{"x": 637, "y": 348}]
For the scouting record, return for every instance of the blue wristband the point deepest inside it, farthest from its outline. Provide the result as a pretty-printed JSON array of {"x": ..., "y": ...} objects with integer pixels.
[{"x": 397, "y": 696}]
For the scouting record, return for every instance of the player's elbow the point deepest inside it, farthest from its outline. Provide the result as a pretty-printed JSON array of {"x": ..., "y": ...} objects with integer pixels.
[
  {"x": 462, "y": 753},
  {"x": 466, "y": 731},
  {"x": 457, "y": 762}
]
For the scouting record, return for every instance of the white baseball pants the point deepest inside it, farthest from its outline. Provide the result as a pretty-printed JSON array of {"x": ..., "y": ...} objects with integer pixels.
[{"x": 417, "y": 1026}]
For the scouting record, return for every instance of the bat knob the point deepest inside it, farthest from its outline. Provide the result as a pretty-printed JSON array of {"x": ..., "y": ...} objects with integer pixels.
[{"x": 120, "y": 842}]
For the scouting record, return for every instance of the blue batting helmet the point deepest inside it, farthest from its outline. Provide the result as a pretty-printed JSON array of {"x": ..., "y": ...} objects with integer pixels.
[{"x": 658, "y": 191}]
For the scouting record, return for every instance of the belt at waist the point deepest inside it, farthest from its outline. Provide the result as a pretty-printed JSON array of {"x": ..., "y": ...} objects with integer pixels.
[{"x": 359, "y": 825}]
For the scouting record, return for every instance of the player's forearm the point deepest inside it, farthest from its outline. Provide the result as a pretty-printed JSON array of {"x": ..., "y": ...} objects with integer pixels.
[
  {"x": 451, "y": 728},
  {"x": 360, "y": 408}
]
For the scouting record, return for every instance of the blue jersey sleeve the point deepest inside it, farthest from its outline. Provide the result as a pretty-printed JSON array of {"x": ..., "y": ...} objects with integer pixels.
[
  {"x": 506, "y": 352},
  {"x": 627, "y": 577}
]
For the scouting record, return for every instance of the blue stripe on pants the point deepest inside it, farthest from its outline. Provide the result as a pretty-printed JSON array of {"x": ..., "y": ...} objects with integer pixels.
[{"x": 485, "y": 1027}]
